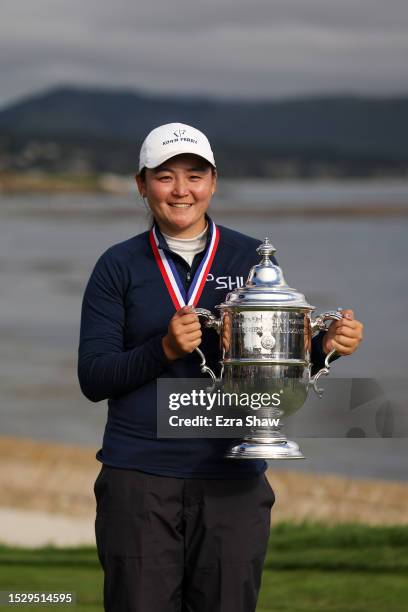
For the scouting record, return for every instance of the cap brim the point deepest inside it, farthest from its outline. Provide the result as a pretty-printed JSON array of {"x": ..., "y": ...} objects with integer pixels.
[{"x": 169, "y": 154}]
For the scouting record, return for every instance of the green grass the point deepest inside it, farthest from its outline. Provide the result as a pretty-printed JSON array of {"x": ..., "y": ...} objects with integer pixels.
[
  {"x": 57, "y": 570},
  {"x": 309, "y": 568}
]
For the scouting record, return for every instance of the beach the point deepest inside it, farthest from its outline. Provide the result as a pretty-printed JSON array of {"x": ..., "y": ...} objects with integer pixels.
[{"x": 47, "y": 495}]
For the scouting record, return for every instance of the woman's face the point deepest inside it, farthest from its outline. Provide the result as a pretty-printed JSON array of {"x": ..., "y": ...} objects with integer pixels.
[{"x": 178, "y": 193}]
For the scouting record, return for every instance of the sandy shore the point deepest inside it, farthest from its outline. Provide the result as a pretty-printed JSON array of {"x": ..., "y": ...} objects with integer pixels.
[{"x": 47, "y": 495}]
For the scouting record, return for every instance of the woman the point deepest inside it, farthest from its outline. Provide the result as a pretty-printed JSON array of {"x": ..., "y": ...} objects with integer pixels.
[{"x": 178, "y": 527}]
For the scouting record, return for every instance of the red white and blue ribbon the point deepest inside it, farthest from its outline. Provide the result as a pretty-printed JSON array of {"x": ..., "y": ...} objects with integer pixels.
[{"x": 171, "y": 277}]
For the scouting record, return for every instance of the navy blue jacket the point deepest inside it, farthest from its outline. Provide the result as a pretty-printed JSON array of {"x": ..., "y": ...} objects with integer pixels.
[{"x": 125, "y": 314}]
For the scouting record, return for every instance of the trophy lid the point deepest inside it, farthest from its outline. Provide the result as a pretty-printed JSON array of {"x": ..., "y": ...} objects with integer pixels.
[{"x": 266, "y": 286}]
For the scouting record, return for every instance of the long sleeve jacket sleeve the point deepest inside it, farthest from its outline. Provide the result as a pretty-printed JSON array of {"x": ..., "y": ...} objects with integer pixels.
[{"x": 105, "y": 368}]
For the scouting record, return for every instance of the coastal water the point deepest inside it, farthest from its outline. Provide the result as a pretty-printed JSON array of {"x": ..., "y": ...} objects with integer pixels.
[{"x": 49, "y": 244}]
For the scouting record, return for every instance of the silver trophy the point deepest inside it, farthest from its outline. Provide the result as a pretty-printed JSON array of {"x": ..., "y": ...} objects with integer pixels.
[{"x": 266, "y": 332}]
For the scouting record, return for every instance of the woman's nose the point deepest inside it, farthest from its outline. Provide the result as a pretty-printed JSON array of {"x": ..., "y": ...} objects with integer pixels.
[{"x": 180, "y": 188}]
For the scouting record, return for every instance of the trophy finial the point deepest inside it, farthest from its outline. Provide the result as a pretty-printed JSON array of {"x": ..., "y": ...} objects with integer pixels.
[{"x": 266, "y": 249}]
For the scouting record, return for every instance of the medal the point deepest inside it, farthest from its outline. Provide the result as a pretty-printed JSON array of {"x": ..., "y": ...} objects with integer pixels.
[{"x": 170, "y": 275}]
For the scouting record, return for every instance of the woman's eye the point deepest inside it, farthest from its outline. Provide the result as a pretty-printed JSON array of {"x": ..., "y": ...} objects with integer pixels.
[
  {"x": 164, "y": 178},
  {"x": 195, "y": 177}
]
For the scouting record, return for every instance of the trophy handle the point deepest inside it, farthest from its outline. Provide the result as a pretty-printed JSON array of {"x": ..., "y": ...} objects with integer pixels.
[
  {"x": 210, "y": 321},
  {"x": 319, "y": 323}
]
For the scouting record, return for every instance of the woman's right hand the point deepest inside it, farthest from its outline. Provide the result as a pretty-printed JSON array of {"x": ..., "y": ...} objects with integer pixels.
[{"x": 183, "y": 334}]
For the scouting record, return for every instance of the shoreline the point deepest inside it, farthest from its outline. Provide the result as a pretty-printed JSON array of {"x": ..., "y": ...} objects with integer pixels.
[{"x": 47, "y": 495}]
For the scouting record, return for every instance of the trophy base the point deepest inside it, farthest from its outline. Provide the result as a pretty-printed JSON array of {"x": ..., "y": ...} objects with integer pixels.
[{"x": 282, "y": 449}]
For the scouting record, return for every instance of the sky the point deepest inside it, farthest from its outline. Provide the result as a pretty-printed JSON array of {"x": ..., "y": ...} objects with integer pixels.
[{"x": 219, "y": 48}]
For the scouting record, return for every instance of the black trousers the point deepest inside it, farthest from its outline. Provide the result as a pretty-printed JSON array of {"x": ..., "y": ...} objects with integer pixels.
[{"x": 181, "y": 545}]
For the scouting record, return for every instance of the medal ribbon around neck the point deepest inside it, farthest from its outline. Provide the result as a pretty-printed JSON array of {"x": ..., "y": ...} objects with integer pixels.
[{"x": 170, "y": 274}]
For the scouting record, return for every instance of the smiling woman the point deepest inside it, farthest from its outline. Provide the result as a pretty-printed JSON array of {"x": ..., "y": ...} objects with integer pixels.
[
  {"x": 178, "y": 193},
  {"x": 178, "y": 526}
]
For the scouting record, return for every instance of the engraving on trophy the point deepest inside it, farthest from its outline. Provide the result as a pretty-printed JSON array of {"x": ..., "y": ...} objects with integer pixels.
[{"x": 268, "y": 342}]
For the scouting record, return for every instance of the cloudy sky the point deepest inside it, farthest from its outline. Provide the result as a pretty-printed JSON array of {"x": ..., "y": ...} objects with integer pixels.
[{"x": 229, "y": 48}]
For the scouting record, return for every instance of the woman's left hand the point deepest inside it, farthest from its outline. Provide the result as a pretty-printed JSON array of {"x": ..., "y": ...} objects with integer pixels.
[{"x": 344, "y": 336}]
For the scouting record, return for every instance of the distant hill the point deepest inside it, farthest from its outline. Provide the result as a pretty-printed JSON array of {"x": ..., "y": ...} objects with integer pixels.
[{"x": 347, "y": 129}]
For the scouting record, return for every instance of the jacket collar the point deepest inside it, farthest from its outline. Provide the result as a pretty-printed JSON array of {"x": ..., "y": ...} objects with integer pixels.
[{"x": 162, "y": 241}]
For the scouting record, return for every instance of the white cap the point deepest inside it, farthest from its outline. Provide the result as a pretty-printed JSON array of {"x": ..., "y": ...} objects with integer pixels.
[{"x": 173, "y": 139}]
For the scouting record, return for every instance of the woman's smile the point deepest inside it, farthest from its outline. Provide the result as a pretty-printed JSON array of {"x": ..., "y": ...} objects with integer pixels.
[{"x": 180, "y": 205}]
